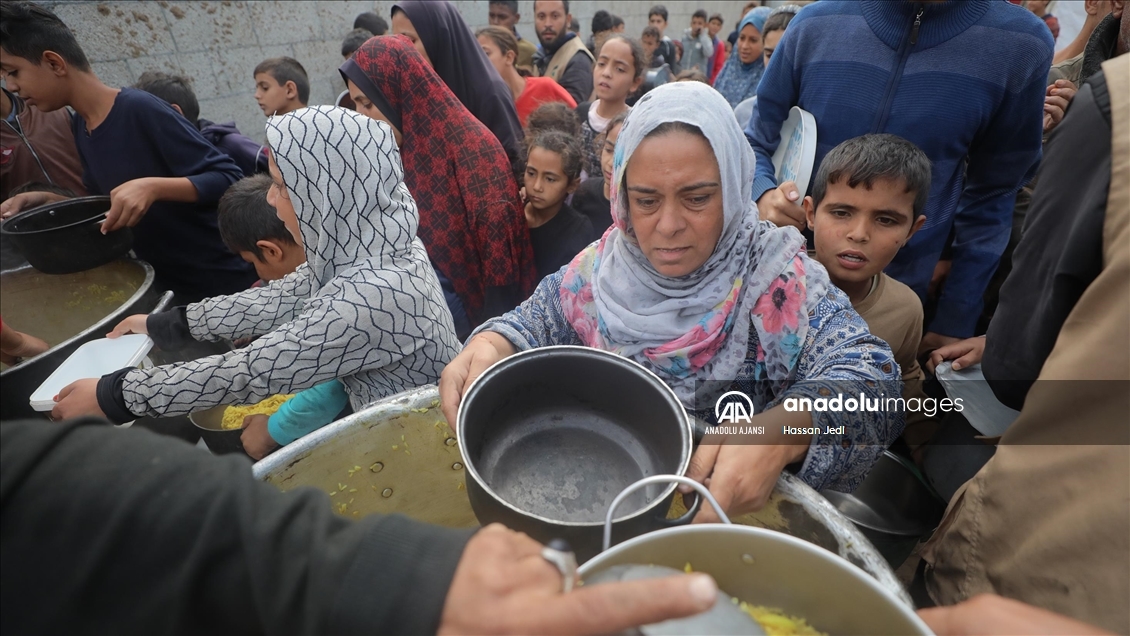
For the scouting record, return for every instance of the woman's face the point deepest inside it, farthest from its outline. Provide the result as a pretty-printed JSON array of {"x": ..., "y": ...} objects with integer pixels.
[
  {"x": 500, "y": 62},
  {"x": 749, "y": 44},
  {"x": 613, "y": 75},
  {"x": 279, "y": 199},
  {"x": 370, "y": 110},
  {"x": 674, "y": 190},
  {"x": 607, "y": 153},
  {"x": 401, "y": 25}
]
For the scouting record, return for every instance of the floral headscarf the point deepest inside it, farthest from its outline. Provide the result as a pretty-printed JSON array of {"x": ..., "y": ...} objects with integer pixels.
[{"x": 695, "y": 328}]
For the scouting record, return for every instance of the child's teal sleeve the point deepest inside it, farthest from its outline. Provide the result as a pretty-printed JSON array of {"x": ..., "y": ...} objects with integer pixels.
[{"x": 307, "y": 411}]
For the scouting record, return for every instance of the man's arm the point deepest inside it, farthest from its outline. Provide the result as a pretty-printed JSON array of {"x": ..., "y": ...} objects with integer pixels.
[
  {"x": 1002, "y": 159},
  {"x": 178, "y": 541}
]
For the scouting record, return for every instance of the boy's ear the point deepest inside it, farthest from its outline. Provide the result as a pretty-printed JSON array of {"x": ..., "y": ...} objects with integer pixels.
[
  {"x": 810, "y": 211},
  {"x": 55, "y": 62},
  {"x": 271, "y": 251},
  {"x": 177, "y": 108},
  {"x": 915, "y": 226},
  {"x": 291, "y": 89}
]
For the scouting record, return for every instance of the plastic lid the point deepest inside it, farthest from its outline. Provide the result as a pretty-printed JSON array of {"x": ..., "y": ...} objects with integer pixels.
[
  {"x": 796, "y": 153},
  {"x": 92, "y": 360}
]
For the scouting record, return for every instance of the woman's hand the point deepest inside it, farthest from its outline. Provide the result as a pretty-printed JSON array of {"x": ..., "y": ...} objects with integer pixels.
[
  {"x": 482, "y": 351},
  {"x": 741, "y": 470},
  {"x": 77, "y": 399},
  {"x": 502, "y": 585},
  {"x": 964, "y": 353},
  {"x": 256, "y": 439},
  {"x": 133, "y": 324}
]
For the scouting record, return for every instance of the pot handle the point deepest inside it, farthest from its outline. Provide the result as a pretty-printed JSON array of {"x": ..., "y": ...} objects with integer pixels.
[
  {"x": 658, "y": 479},
  {"x": 698, "y": 428},
  {"x": 163, "y": 303}
]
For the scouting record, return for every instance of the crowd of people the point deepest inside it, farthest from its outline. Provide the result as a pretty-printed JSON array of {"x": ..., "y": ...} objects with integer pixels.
[{"x": 473, "y": 194}]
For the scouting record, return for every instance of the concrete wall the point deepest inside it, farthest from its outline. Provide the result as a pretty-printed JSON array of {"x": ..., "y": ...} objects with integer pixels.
[{"x": 218, "y": 44}]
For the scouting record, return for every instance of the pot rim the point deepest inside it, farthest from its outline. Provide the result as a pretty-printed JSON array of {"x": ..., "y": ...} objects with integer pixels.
[
  {"x": 862, "y": 577},
  {"x": 163, "y": 301},
  {"x": 469, "y": 466},
  {"x": 6, "y": 226}
]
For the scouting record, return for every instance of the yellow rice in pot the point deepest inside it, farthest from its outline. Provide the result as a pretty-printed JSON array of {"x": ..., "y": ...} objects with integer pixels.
[{"x": 233, "y": 415}]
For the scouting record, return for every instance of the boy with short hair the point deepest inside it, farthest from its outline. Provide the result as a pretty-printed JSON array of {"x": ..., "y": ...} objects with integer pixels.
[
  {"x": 866, "y": 203},
  {"x": 657, "y": 17},
  {"x": 281, "y": 86},
  {"x": 650, "y": 42},
  {"x": 251, "y": 228},
  {"x": 714, "y": 27},
  {"x": 162, "y": 176},
  {"x": 698, "y": 47},
  {"x": 248, "y": 154}
]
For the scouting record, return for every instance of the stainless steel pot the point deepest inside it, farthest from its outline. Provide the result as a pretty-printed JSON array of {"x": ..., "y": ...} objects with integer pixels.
[
  {"x": 399, "y": 456},
  {"x": 551, "y": 435},
  {"x": 771, "y": 569},
  {"x": 68, "y": 311}
]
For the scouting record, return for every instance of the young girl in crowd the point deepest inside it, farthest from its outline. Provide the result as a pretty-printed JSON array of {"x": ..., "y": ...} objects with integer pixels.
[
  {"x": 553, "y": 170},
  {"x": 617, "y": 73},
  {"x": 501, "y": 48},
  {"x": 592, "y": 198},
  {"x": 739, "y": 77},
  {"x": 775, "y": 26}
]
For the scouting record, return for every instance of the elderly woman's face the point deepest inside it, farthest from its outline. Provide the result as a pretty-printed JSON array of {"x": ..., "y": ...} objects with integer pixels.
[{"x": 674, "y": 191}]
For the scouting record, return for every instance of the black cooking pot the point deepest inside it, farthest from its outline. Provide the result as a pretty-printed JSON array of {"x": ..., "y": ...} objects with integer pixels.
[
  {"x": 66, "y": 236},
  {"x": 550, "y": 436}
]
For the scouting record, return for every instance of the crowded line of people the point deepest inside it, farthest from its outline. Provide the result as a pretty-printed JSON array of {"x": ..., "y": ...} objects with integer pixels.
[{"x": 485, "y": 195}]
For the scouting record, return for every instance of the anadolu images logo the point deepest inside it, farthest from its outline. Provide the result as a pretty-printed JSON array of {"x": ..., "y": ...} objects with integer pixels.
[{"x": 734, "y": 407}]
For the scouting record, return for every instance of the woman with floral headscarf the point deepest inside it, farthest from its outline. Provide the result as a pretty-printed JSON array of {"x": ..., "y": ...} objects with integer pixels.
[
  {"x": 471, "y": 216},
  {"x": 366, "y": 307},
  {"x": 692, "y": 286}
]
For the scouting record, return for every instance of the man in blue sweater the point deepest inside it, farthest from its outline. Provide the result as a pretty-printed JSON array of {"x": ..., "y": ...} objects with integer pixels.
[
  {"x": 163, "y": 177},
  {"x": 963, "y": 80}
]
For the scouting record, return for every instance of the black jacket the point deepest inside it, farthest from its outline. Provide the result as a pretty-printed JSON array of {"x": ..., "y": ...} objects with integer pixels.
[
  {"x": 127, "y": 532},
  {"x": 1060, "y": 252}
]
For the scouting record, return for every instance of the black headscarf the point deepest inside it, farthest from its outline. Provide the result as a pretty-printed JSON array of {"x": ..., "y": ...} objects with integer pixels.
[{"x": 460, "y": 62}]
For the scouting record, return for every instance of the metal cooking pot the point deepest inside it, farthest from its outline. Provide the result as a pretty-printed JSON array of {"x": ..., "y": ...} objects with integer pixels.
[
  {"x": 399, "y": 456},
  {"x": 68, "y": 311},
  {"x": 771, "y": 569},
  {"x": 551, "y": 435},
  {"x": 66, "y": 236},
  {"x": 209, "y": 423},
  {"x": 893, "y": 507}
]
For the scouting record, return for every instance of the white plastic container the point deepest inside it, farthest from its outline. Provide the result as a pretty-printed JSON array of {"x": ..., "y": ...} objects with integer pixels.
[
  {"x": 796, "y": 154},
  {"x": 92, "y": 360}
]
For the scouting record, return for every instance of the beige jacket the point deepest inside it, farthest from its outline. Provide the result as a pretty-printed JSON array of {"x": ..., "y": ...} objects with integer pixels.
[{"x": 1048, "y": 522}]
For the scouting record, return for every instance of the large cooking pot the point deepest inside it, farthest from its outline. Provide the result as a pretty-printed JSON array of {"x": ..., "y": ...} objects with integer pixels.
[
  {"x": 66, "y": 236},
  {"x": 67, "y": 311},
  {"x": 770, "y": 569},
  {"x": 551, "y": 435},
  {"x": 398, "y": 456}
]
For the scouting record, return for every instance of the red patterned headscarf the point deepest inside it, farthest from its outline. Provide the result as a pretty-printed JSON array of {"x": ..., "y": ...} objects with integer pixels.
[{"x": 471, "y": 217}]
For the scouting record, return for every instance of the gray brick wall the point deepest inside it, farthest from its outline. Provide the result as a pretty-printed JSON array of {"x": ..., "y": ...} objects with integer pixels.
[{"x": 219, "y": 43}]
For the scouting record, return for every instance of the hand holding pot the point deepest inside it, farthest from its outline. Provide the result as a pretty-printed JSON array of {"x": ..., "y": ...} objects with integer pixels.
[
  {"x": 741, "y": 470},
  {"x": 482, "y": 351},
  {"x": 256, "y": 438},
  {"x": 502, "y": 585},
  {"x": 128, "y": 204},
  {"x": 26, "y": 201}
]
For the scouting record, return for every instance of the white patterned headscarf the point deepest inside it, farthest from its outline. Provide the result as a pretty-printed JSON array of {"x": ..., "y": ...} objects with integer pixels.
[{"x": 694, "y": 328}]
